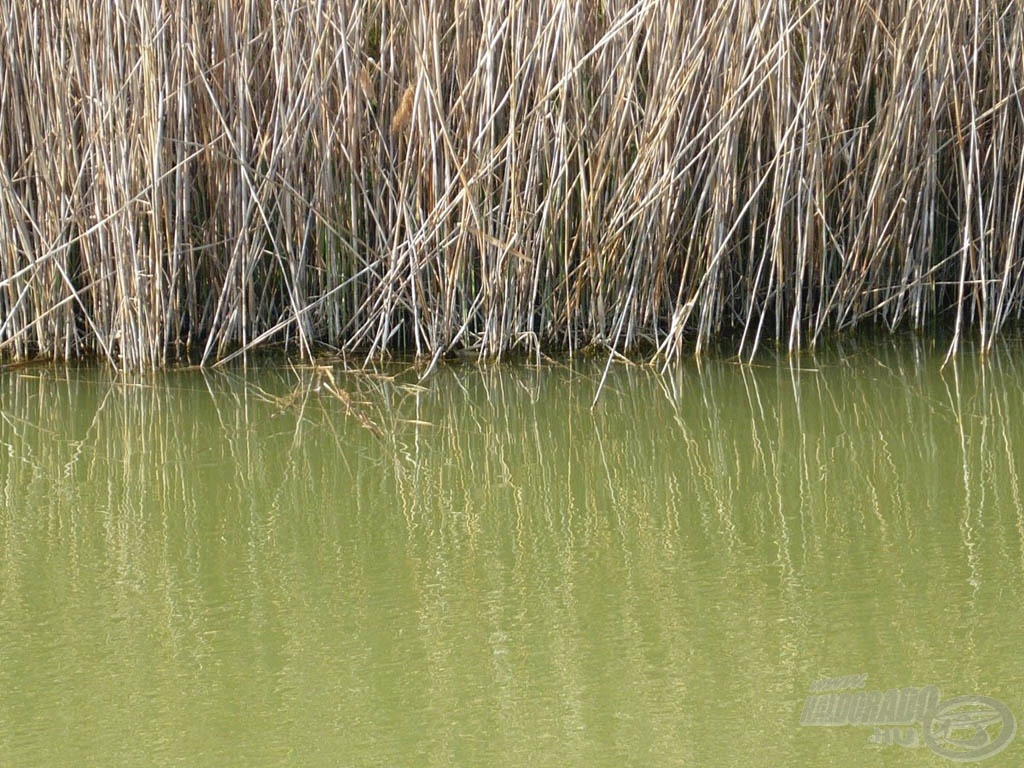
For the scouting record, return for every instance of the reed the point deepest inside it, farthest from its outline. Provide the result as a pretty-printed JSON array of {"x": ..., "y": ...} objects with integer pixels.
[{"x": 202, "y": 178}]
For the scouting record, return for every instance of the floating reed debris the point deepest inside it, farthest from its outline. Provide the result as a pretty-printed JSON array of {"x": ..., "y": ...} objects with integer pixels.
[{"x": 194, "y": 179}]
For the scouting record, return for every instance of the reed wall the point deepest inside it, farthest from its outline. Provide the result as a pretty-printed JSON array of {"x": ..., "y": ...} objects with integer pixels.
[{"x": 196, "y": 178}]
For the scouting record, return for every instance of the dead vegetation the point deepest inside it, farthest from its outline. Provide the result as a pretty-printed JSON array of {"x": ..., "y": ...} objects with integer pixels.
[{"x": 199, "y": 178}]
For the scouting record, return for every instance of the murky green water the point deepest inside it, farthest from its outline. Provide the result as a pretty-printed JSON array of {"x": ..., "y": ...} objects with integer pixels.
[{"x": 248, "y": 569}]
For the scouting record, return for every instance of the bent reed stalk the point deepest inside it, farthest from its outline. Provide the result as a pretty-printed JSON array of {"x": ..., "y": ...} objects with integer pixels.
[{"x": 200, "y": 177}]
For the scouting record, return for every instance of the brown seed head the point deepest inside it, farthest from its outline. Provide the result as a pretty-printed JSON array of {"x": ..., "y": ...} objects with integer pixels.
[
  {"x": 403, "y": 115},
  {"x": 366, "y": 83}
]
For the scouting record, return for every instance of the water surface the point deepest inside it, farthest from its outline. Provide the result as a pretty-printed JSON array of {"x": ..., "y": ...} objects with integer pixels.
[{"x": 281, "y": 567}]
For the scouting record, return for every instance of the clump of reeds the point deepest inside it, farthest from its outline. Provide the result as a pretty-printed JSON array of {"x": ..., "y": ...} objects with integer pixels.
[{"x": 200, "y": 178}]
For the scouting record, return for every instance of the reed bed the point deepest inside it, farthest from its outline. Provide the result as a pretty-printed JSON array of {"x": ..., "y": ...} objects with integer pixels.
[{"x": 196, "y": 179}]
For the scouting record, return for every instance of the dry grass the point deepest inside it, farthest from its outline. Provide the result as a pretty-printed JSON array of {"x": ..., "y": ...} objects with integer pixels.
[{"x": 204, "y": 177}]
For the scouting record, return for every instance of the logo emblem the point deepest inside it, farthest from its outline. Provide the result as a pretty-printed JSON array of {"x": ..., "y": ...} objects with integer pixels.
[{"x": 968, "y": 728}]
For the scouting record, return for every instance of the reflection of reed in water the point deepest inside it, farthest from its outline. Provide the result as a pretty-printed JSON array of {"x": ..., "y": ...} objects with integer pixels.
[
  {"x": 503, "y": 540},
  {"x": 728, "y": 450}
]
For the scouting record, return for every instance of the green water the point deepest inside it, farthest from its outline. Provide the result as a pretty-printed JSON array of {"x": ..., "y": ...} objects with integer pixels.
[{"x": 245, "y": 569}]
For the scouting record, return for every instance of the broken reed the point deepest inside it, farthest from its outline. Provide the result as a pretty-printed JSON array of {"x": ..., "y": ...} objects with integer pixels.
[{"x": 203, "y": 177}]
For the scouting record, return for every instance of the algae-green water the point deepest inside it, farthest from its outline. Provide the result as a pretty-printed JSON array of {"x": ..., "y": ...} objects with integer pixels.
[{"x": 294, "y": 566}]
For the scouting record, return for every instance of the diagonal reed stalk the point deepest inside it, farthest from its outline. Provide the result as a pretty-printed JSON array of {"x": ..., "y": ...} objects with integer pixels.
[{"x": 199, "y": 178}]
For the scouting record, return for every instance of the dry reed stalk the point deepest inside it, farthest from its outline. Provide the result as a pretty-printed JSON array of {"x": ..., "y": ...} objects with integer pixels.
[{"x": 374, "y": 175}]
